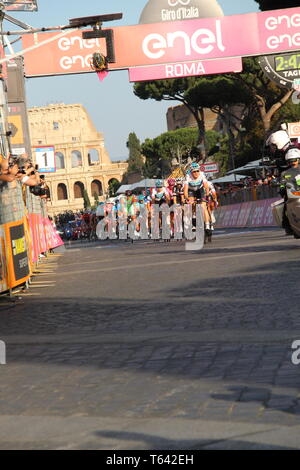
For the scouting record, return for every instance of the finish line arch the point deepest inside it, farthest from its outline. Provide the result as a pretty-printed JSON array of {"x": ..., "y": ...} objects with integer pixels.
[{"x": 197, "y": 45}]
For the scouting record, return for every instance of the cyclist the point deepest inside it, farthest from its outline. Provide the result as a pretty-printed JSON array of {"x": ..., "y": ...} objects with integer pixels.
[
  {"x": 179, "y": 192},
  {"x": 212, "y": 203},
  {"x": 133, "y": 212},
  {"x": 171, "y": 189},
  {"x": 160, "y": 194},
  {"x": 196, "y": 188}
]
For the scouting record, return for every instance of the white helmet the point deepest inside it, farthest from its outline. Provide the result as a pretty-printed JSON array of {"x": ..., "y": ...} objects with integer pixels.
[
  {"x": 280, "y": 139},
  {"x": 292, "y": 154}
]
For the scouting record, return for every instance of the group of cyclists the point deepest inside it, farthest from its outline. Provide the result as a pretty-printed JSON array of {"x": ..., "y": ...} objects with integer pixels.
[
  {"x": 76, "y": 225},
  {"x": 194, "y": 189}
]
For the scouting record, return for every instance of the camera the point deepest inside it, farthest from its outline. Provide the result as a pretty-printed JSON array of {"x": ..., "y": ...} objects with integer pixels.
[
  {"x": 13, "y": 160},
  {"x": 37, "y": 190},
  {"x": 20, "y": 161}
]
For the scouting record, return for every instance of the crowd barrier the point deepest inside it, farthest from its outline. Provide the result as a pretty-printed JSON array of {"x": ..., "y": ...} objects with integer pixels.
[
  {"x": 248, "y": 194},
  {"x": 25, "y": 233},
  {"x": 246, "y": 214}
]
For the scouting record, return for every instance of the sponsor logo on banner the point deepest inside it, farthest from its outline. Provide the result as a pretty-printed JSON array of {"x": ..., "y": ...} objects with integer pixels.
[
  {"x": 199, "y": 42},
  {"x": 162, "y": 43},
  {"x": 179, "y": 10},
  {"x": 296, "y": 84},
  {"x": 175, "y": 3},
  {"x": 182, "y": 12},
  {"x": 209, "y": 167}
]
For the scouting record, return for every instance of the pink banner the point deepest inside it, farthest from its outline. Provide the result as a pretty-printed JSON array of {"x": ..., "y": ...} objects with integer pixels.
[
  {"x": 33, "y": 225},
  {"x": 52, "y": 238},
  {"x": 163, "y": 43},
  {"x": 247, "y": 214},
  {"x": 244, "y": 214},
  {"x": 185, "y": 69},
  {"x": 43, "y": 234}
]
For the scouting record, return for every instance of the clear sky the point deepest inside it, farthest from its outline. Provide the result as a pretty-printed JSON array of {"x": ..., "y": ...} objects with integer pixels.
[{"x": 111, "y": 104}]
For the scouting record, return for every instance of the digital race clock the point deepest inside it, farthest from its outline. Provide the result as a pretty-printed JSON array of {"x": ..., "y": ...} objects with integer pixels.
[
  {"x": 285, "y": 63},
  {"x": 283, "y": 69}
]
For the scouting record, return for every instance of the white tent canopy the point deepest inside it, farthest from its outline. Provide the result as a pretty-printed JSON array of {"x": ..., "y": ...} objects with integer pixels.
[
  {"x": 228, "y": 179},
  {"x": 123, "y": 188},
  {"x": 146, "y": 183},
  {"x": 254, "y": 165}
]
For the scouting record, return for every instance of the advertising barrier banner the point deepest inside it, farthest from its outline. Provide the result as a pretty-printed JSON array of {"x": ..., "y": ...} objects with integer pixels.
[
  {"x": 33, "y": 225},
  {"x": 52, "y": 238},
  {"x": 246, "y": 214},
  {"x": 3, "y": 264},
  {"x": 43, "y": 235},
  {"x": 16, "y": 253}
]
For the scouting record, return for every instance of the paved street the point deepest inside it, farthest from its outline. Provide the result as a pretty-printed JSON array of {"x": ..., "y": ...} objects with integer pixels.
[{"x": 148, "y": 346}]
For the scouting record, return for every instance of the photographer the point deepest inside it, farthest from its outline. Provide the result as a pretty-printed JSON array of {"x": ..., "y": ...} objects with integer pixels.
[
  {"x": 17, "y": 169},
  {"x": 5, "y": 175}
]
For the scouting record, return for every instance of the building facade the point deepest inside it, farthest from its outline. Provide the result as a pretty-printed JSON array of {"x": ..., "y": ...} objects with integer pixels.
[
  {"x": 82, "y": 161},
  {"x": 179, "y": 117}
]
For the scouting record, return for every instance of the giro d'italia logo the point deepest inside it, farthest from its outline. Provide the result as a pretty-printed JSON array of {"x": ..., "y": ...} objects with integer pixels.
[{"x": 174, "y": 3}]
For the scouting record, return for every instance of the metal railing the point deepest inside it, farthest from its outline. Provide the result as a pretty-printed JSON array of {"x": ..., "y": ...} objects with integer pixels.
[{"x": 255, "y": 193}]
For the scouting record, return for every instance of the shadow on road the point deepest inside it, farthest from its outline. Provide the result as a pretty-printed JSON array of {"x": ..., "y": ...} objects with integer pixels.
[
  {"x": 224, "y": 327},
  {"x": 151, "y": 442}
]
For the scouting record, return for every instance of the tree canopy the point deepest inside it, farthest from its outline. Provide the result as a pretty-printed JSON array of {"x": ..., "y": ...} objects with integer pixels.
[
  {"x": 135, "y": 160},
  {"x": 180, "y": 144},
  {"x": 196, "y": 93}
]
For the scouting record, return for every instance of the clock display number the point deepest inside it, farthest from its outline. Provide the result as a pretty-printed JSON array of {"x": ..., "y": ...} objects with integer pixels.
[{"x": 288, "y": 62}]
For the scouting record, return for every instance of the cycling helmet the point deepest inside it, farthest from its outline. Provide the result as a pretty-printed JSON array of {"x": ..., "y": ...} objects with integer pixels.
[
  {"x": 195, "y": 166},
  {"x": 159, "y": 184},
  {"x": 171, "y": 182},
  {"x": 292, "y": 154},
  {"x": 279, "y": 139}
]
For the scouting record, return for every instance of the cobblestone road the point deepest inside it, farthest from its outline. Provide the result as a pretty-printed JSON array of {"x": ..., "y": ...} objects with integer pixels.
[{"x": 147, "y": 346}]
